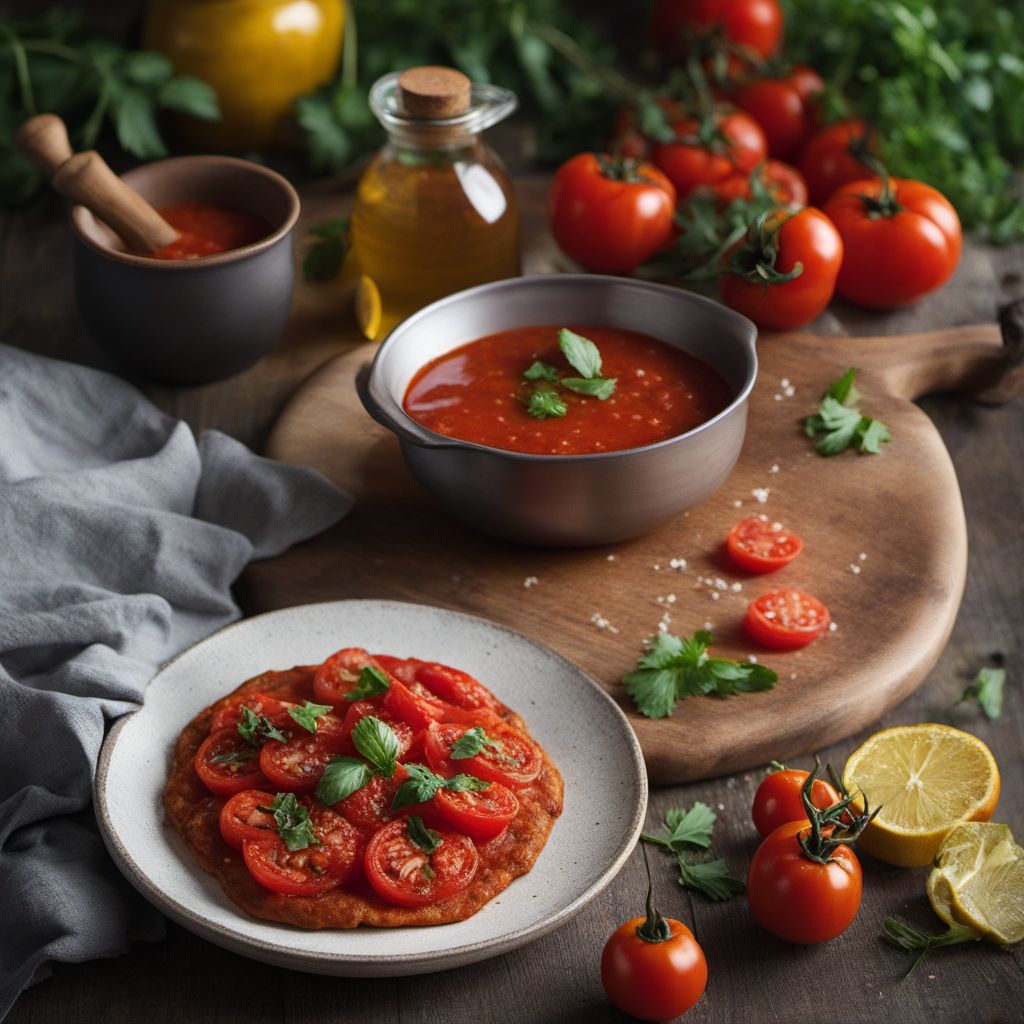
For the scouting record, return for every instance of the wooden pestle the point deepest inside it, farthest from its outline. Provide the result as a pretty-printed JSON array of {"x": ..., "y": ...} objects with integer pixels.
[{"x": 86, "y": 178}]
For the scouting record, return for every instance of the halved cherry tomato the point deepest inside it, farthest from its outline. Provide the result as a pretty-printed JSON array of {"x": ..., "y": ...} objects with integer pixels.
[
  {"x": 899, "y": 243},
  {"x": 297, "y": 764},
  {"x": 369, "y": 808},
  {"x": 361, "y": 708},
  {"x": 797, "y": 898},
  {"x": 311, "y": 871},
  {"x": 704, "y": 155},
  {"x": 514, "y": 761},
  {"x": 261, "y": 704},
  {"x": 786, "y": 619},
  {"x": 482, "y": 815},
  {"x": 339, "y": 674},
  {"x": 755, "y": 25},
  {"x": 834, "y": 156},
  {"x": 781, "y": 242},
  {"x": 456, "y": 687},
  {"x": 608, "y": 214},
  {"x": 415, "y": 704},
  {"x": 757, "y": 546},
  {"x": 242, "y": 819},
  {"x": 783, "y": 183},
  {"x": 785, "y": 108},
  {"x": 227, "y": 764},
  {"x": 407, "y": 876},
  {"x": 779, "y": 799}
]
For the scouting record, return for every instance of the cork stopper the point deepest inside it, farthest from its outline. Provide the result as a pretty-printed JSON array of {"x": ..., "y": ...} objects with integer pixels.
[{"x": 431, "y": 93}]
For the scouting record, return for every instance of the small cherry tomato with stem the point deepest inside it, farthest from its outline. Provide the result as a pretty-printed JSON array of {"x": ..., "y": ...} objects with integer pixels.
[
  {"x": 779, "y": 798},
  {"x": 785, "y": 107},
  {"x": 901, "y": 239},
  {"x": 753, "y": 26},
  {"x": 652, "y": 967},
  {"x": 805, "y": 881},
  {"x": 610, "y": 214},
  {"x": 836, "y": 155},
  {"x": 782, "y": 184},
  {"x": 785, "y": 274}
]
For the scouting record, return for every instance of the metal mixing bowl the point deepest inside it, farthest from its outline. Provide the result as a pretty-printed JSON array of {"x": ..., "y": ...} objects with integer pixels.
[{"x": 568, "y": 499}]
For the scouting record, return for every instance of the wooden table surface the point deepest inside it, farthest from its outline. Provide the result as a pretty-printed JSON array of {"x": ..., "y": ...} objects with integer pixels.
[{"x": 753, "y": 977}]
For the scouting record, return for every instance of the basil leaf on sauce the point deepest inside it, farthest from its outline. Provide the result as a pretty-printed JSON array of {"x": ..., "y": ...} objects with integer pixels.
[
  {"x": 256, "y": 729},
  {"x": 419, "y": 835},
  {"x": 294, "y": 825},
  {"x": 421, "y": 785},
  {"x": 377, "y": 742},
  {"x": 471, "y": 743},
  {"x": 581, "y": 353},
  {"x": 598, "y": 387}
]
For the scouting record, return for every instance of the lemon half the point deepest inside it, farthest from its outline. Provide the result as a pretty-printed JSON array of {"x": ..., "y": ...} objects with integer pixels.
[{"x": 926, "y": 779}]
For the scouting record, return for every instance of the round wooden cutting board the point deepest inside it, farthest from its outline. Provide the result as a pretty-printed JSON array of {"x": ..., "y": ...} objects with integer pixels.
[{"x": 886, "y": 545}]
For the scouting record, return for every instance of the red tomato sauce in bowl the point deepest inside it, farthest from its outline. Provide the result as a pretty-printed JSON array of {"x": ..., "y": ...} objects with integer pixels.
[
  {"x": 207, "y": 229},
  {"x": 478, "y": 393}
]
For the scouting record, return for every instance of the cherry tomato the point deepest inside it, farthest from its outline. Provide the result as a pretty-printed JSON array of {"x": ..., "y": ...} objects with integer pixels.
[
  {"x": 610, "y": 215},
  {"x": 754, "y": 545},
  {"x": 339, "y": 674},
  {"x": 782, "y": 182},
  {"x": 703, "y": 156},
  {"x": 482, "y": 815},
  {"x": 755, "y": 25},
  {"x": 311, "y": 871},
  {"x": 786, "y": 619},
  {"x": 899, "y": 243},
  {"x": 797, "y": 898},
  {"x": 404, "y": 874},
  {"x": 807, "y": 238},
  {"x": 785, "y": 108},
  {"x": 415, "y": 704},
  {"x": 297, "y": 764},
  {"x": 514, "y": 761},
  {"x": 369, "y": 808},
  {"x": 455, "y": 687},
  {"x": 241, "y": 817},
  {"x": 831, "y": 158},
  {"x": 229, "y": 716},
  {"x": 653, "y": 980},
  {"x": 779, "y": 800},
  {"x": 227, "y": 764},
  {"x": 401, "y": 668}
]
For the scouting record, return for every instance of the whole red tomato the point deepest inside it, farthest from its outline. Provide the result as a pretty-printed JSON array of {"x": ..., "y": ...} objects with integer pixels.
[
  {"x": 782, "y": 182},
  {"x": 779, "y": 799},
  {"x": 710, "y": 150},
  {"x": 757, "y": 282},
  {"x": 755, "y": 25},
  {"x": 610, "y": 215},
  {"x": 901, "y": 239},
  {"x": 653, "y": 968},
  {"x": 785, "y": 108},
  {"x": 835, "y": 156},
  {"x": 800, "y": 899}
]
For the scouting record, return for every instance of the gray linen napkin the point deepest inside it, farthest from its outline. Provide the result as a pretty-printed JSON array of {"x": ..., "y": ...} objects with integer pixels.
[{"x": 120, "y": 537}]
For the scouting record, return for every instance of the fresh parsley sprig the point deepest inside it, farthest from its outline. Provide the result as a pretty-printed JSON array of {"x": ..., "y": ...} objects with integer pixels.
[
  {"x": 987, "y": 689},
  {"x": 294, "y": 825},
  {"x": 422, "y": 784},
  {"x": 543, "y": 401},
  {"x": 688, "y": 837},
  {"x": 255, "y": 730},
  {"x": 372, "y": 683},
  {"x": 343, "y": 775},
  {"x": 472, "y": 742},
  {"x": 674, "y": 668},
  {"x": 842, "y": 424},
  {"x": 308, "y": 713}
]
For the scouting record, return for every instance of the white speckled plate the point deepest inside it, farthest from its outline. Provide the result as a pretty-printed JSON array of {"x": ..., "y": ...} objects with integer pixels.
[{"x": 579, "y": 726}]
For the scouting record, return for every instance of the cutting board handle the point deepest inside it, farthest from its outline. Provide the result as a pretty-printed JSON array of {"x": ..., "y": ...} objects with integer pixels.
[{"x": 986, "y": 360}]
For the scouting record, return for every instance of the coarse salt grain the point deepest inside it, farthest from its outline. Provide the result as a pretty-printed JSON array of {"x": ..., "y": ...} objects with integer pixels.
[
  {"x": 863, "y": 556},
  {"x": 677, "y": 563},
  {"x": 777, "y": 397},
  {"x": 855, "y": 569},
  {"x": 760, "y": 494},
  {"x": 775, "y": 468},
  {"x": 776, "y": 527},
  {"x": 602, "y": 623},
  {"x": 789, "y": 392},
  {"x": 752, "y": 658},
  {"x": 611, "y": 558},
  {"x": 530, "y": 581},
  {"x": 737, "y": 503},
  {"x": 784, "y": 383},
  {"x": 736, "y": 587},
  {"x": 832, "y": 627},
  {"x": 715, "y": 595}
]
